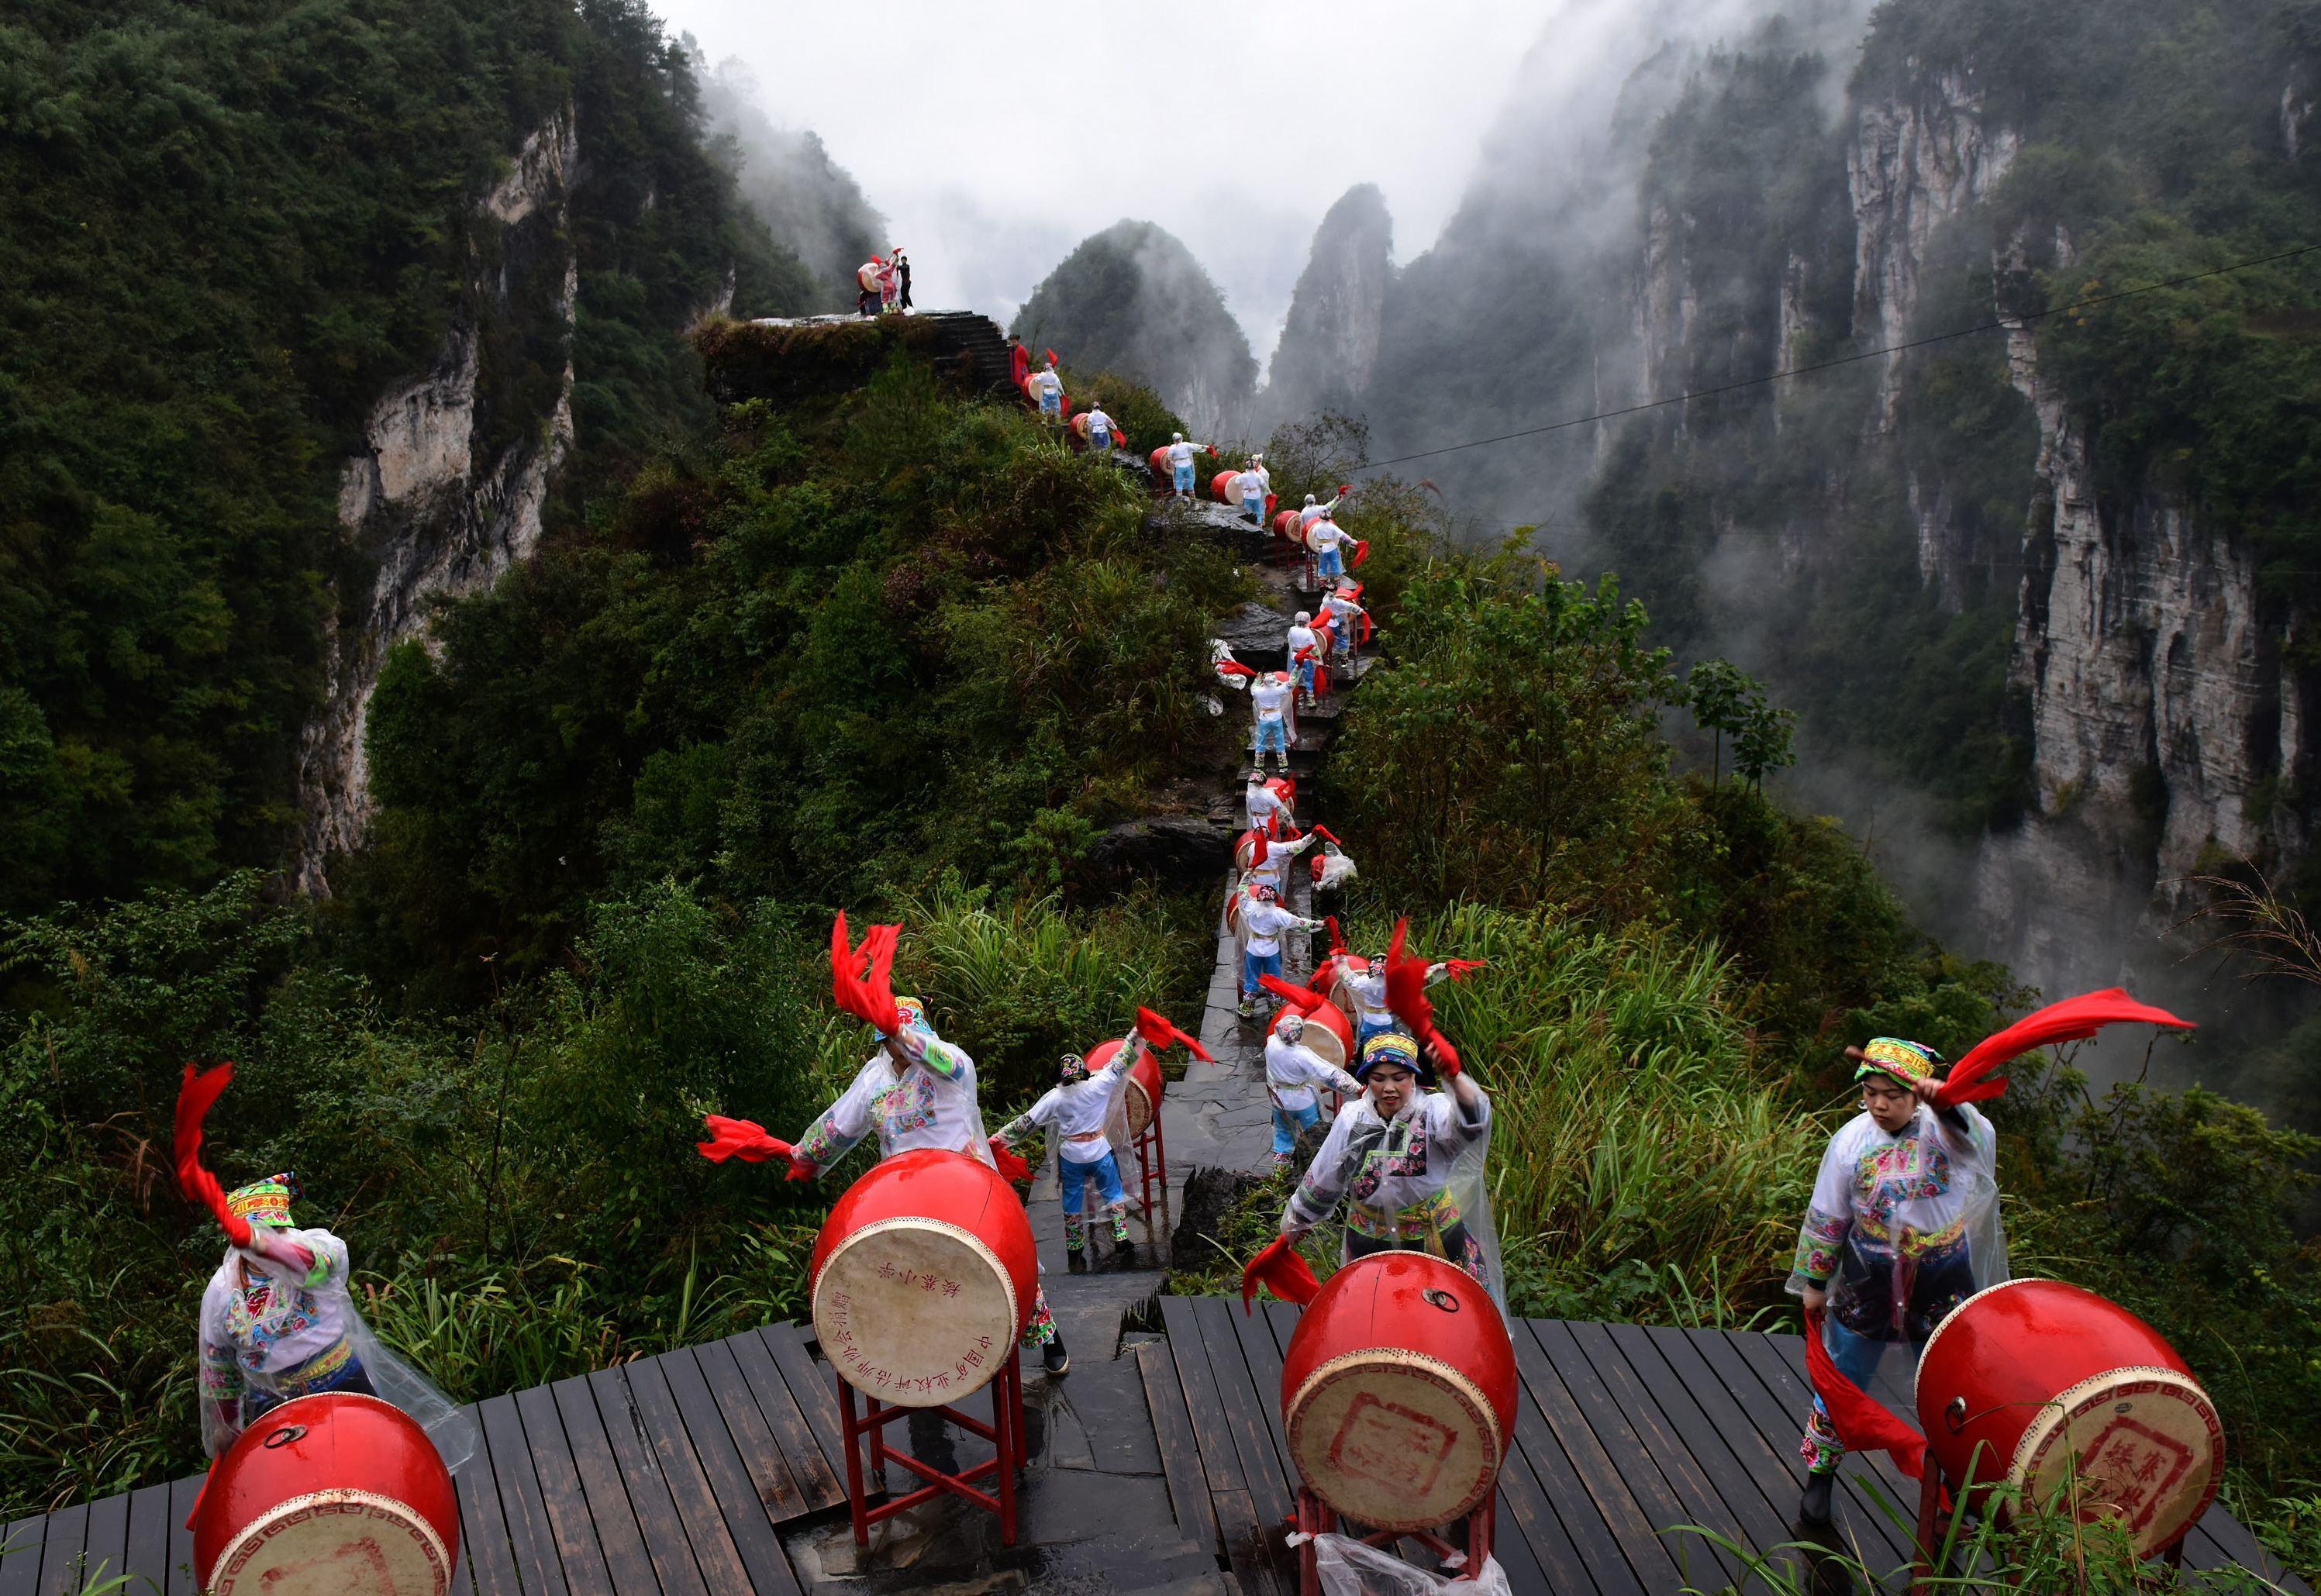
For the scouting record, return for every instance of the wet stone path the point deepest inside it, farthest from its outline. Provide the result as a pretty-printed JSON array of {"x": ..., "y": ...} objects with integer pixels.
[{"x": 1097, "y": 1515}]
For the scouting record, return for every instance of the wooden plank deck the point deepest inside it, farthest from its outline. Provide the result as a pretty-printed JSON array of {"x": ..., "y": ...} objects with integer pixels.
[
  {"x": 1625, "y": 1433},
  {"x": 679, "y": 1474}
]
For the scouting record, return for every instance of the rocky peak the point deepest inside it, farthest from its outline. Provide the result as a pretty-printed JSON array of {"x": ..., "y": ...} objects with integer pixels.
[{"x": 1330, "y": 342}]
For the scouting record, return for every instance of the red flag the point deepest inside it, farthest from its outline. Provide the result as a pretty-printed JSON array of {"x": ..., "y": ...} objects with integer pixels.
[
  {"x": 197, "y": 1090},
  {"x": 1011, "y": 1166},
  {"x": 1280, "y": 1270},
  {"x": 1159, "y": 1033},
  {"x": 739, "y": 1138},
  {"x": 1863, "y": 1423},
  {"x": 1297, "y": 997},
  {"x": 2072, "y": 1019},
  {"x": 1405, "y": 995}
]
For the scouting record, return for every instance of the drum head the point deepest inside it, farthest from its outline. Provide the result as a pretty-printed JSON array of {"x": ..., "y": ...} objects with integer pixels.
[
  {"x": 1140, "y": 1109},
  {"x": 334, "y": 1543},
  {"x": 1394, "y": 1438},
  {"x": 916, "y": 1311},
  {"x": 1326, "y": 1044},
  {"x": 2140, "y": 1445}
]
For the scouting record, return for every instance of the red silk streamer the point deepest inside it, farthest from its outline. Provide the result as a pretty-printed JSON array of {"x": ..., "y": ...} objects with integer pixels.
[
  {"x": 1009, "y": 1162},
  {"x": 745, "y": 1140},
  {"x": 1459, "y": 969},
  {"x": 1862, "y": 1422},
  {"x": 1280, "y": 1270},
  {"x": 195, "y": 1092},
  {"x": 1159, "y": 1033},
  {"x": 1235, "y": 668},
  {"x": 2072, "y": 1019},
  {"x": 862, "y": 979},
  {"x": 1325, "y": 975},
  {"x": 1337, "y": 937},
  {"x": 1256, "y": 850},
  {"x": 1326, "y": 835},
  {"x": 1405, "y": 995},
  {"x": 1297, "y": 997},
  {"x": 1361, "y": 551},
  {"x": 1052, "y": 356}
]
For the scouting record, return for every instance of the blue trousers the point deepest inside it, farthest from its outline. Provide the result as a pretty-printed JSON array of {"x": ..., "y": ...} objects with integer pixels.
[
  {"x": 1273, "y": 736},
  {"x": 1288, "y": 1123},
  {"x": 1184, "y": 475},
  {"x": 1099, "y": 438},
  {"x": 1253, "y": 965},
  {"x": 1253, "y": 506},
  {"x": 1051, "y": 405},
  {"x": 1305, "y": 675},
  {"x": 1368, "y": 1027},
  {"x": 1329, "y": 563},
  {"x": 1072, "y": 1180}
]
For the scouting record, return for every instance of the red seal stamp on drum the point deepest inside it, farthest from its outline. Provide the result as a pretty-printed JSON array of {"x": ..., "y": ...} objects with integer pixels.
[{"x": 1390, "y": 1444}]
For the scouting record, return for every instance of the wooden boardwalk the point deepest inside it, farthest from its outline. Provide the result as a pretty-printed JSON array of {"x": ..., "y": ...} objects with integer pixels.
[{"x": 678, "y": 1475}]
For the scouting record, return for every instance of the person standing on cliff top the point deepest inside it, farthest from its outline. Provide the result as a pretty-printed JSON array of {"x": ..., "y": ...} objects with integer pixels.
[
  {"x": 1048, "y": 388},
  {"x": 1019, "y": 362},
  {"x": 902, "y": 281},
  {"x": 1252, "y": 484},
  {"x": 1099, "y": 433},
  {"x": 1180, "y": 462},
  {"x": 1327, "y": 540}
]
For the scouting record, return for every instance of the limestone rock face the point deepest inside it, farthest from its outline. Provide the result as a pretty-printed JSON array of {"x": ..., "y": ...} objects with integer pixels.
[
  {"x": 1330, "y": 342},
  {"x": 445, "y": 495}
]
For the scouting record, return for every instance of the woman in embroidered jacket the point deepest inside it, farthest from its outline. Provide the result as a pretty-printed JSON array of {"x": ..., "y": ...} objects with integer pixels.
[
  {"x": 278, "y": 1322},
  {"x": 917, "y": 1091},
  {"x": 1903, "y": 1227},
  {"x": 1408, "y": 1162}
]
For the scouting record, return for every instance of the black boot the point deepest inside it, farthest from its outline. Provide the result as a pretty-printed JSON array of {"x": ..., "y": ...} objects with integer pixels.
[
  {"x": 1076, "y": 1259},
  {"x": 1124, "y": 1250},
  {"x": 1813, "y": 1506},
  {"x": 1055, "y": 1359}
]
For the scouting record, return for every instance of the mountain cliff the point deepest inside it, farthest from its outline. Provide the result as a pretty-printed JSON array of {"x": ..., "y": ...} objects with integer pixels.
[
  {"x": 1133, "y": 300},
  {"x": 2054, "y": 580},
  {"x": 314, "y": 316},
  {"x": 1330, "y": 343}
]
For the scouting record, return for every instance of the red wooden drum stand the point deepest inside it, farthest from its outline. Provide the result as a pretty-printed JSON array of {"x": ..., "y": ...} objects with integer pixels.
[
  {"x": 1398, "y": 1404},
  {"x": 1004, "y": 1432},
  {"x": 324, "y": 1495},
  {"x": 2065, "y": 1397},
  {"x": 922, "y": 1281},
  {"x": 1472, "y": 1551}
]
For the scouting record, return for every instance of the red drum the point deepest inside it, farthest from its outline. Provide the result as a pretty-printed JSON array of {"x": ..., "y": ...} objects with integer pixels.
[
  {"x": 1328, "y": 1033},
  {"x": 922, "y": 1278},
  {"x": 1141, "y": 1098},
  {"x": 1285, "y": 525},
  {"x": 1341, "y": 996},
  {"x": 324, "y": 1495},
  {"x": 1081, "y": 425},
  {"x": 1398, "y": 1392},
  {"x": 1221, "y": 488},
  {"x": 1159, "y": 460},
  {"x": 2040, "y": 1378}
]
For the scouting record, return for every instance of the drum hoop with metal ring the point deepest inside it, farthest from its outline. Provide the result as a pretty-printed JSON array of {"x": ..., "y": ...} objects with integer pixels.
[
  {"x": 255, "y": 1530},
  {"x": 1950, "y": 1319},
  {"x": 924, "y": 1222},
  {"x": 2058, "y": 1412},
  {"x": 1421, "y": 1363}
]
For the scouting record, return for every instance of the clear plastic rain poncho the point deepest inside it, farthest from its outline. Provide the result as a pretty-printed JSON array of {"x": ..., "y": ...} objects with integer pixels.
[
  {"x": 1344, "y": 1566},
  {"x": 1099, "y": 1103},
  {"x": 267, "y": 1337},
  {"x": 1415, "y": 1182},
  {"x": 1903, "y": 1227}
]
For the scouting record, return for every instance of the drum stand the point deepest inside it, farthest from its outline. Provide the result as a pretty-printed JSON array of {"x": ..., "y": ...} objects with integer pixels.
[
  {"x": 1152, "y": 1160},
  {"x": 1933, "y": 1523},
  {"x": 1004, "y": 1432},
  {"x": 1317, "y": 1517}
]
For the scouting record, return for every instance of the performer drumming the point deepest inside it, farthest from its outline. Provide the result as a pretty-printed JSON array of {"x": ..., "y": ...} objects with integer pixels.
[
  {"x": 277, "y": 1320},
  {"x": 1292, "y": 1070},
  {"x": 1082, "y": 1113},
  {"x": 1903, "y": 1227}
]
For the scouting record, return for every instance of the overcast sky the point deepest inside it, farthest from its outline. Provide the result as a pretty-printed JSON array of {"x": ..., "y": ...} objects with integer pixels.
[{"x": 996, "y": 134}]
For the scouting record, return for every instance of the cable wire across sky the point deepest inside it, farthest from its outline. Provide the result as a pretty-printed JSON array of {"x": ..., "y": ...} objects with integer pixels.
[{"x": 2002, "y": 324}]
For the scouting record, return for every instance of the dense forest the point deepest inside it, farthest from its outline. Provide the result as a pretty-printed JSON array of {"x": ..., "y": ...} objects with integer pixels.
[{"x": 898, "y": 649}]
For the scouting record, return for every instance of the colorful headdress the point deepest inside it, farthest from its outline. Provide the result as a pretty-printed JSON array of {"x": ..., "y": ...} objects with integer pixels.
[
  {"x": 912, "y": 1014},
  {"x": 1072, "y": 1070},
  {"x": 1908, "y": 1062},
  {"x": 1397, "y": 1047},
  {"x": 265, "y": 1201}
]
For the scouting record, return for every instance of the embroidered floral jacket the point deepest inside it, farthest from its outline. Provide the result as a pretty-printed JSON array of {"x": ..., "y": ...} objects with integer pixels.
[
  {"x": 930, "y": 1103},
  {"x": 1390, "y": 1173}
]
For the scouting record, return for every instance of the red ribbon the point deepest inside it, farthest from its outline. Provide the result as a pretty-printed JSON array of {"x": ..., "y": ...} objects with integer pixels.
[
  {"x": 862, "y": 979},
  {"x": 1458, "y": 969},
  {"x": 745, "y": 1140},
  {"x": 1010, "y": 1164},
  {"x": 1297, "y": 997},
  {"x": 1862, "y": 1422},
  {"x": 1159, "y": 1033},
  {"x": 1405, "y": 995},
  {"x": 196, "y": 1091},
  {"x": 1280, "y": 1270},
  {"x": 1337, "y": 937},
  {"x": 2072, "y": 1019}
]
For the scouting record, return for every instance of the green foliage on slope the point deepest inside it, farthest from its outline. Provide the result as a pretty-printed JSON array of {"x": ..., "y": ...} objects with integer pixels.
[{"x": 230, "y": 228}]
